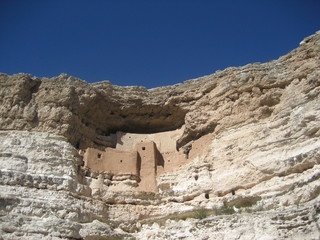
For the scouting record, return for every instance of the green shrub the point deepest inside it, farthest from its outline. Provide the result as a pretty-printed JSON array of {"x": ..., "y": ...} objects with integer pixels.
[
  {"x": 225, "y": 210},
  {"x": 201, "y": 214}
]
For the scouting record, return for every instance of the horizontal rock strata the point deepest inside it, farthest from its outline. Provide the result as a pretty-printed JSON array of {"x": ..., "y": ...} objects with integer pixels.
[{"x": 251, "y": 136}]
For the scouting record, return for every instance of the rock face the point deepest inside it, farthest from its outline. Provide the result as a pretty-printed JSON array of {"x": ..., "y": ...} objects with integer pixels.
[{"x": 249, "y": 136}]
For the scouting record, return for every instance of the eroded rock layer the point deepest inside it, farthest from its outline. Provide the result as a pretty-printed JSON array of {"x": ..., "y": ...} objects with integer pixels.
[{"x": 250, "y": 137}]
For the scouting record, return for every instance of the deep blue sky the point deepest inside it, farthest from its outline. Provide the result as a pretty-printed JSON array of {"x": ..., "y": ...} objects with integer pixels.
[{"x": 146, "y": 42}]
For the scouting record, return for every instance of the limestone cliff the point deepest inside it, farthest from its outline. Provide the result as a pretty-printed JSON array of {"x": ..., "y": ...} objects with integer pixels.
[{"x": 247, "y": 155}]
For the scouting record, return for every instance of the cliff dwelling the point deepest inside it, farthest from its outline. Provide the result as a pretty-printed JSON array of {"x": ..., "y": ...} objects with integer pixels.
[
  {"x": 143, "y": 155},
  {"x": 246, "y": 138}
]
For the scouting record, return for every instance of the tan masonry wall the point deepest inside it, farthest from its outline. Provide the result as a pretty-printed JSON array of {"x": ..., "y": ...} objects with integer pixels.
[
  {"x": 201, "y": 146},
  {"x": 169, "y": 162},
  {"x": 137, "y": 155},
  {"x": 165, "y": 141},
  {"x": 148, "y": 158},
  {"x": 112, "y": 161}
]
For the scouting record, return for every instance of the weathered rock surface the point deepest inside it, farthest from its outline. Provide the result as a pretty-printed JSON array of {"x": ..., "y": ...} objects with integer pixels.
[{"x": 251, "y": 134}]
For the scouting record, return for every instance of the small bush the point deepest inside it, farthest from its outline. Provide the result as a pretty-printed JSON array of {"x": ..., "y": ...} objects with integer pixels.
[
  {"x": 201, "y": 214},
  {"x": 226, "y": 210}
]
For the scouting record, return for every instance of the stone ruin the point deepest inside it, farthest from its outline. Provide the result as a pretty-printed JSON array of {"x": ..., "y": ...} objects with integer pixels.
[{"x": 143, "y": 155}]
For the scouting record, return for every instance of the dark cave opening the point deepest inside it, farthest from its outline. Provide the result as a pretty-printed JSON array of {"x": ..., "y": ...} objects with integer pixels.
[{"x": 206, "y": 195}]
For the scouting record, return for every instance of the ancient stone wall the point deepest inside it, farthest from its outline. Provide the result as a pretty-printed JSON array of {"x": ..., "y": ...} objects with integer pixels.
[
  {"x": 147, "y": 152},
  {"x": 165, "y": 141},
  {"x": 171, "y": 161},
  {"x": 145, "y": 155},
  {"x": 201, "y": 146},
  {"x": 111, "y": 161},
  {"x": 145, "y": 160}
]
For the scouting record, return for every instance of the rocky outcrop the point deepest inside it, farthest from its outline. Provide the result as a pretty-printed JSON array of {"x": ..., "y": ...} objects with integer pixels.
[
  {"x": 83, "y": 113},
  {"x": 251, "y": 135},
  {"x": 86, "y": 112}
]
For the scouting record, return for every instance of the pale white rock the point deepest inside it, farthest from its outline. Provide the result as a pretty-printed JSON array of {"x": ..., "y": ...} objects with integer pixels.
[{"x": 251, "y": 135}]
